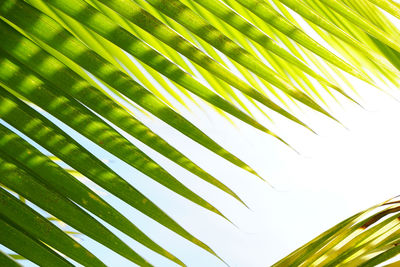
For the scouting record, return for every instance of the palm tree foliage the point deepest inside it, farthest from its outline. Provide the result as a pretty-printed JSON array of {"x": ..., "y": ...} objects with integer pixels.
[
  {"x": 73, "y": 60},
  {"x": 357, "y": 241}
]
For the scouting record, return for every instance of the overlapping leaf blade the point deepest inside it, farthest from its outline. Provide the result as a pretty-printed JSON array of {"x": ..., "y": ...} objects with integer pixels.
[
  {"x": 38, "y": 227},
  {"x": 24, "y": 184},
  {"x": 55, "y": 36},
  {"x": 6, "y": 260},
  {"x": 65, "y": 79},
  {"x": 45, "y": 133},
  {"x": 21, "y": 243},
  {"x": 45, "y": 170}
]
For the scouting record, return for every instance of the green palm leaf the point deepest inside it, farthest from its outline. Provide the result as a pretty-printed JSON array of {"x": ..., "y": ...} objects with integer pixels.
[
  {"x": 53, "y": 139},
  {"x": 45, "y": 170},
  {"x": 76, "y": 51},
  {"x": 41, "y": 229},
  {"x": 97, "y": 65},
  {"x": 24, "y": 184},
  {"x": 18, "y": 241},
  {"x": 6, "y": 260},
  {"x": 365, "y": 239}
]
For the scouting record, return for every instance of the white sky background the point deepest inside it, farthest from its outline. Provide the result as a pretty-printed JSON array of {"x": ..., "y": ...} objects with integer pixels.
[{"x": 339, "y": 172}]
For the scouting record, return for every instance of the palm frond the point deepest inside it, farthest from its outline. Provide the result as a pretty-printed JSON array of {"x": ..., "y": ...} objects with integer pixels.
[
  {"x": 365, "y": 239},
  {"x": 92, "y": 64}
]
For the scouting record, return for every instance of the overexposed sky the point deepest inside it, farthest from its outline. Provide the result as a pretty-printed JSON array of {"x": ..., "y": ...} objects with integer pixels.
[{"x": 338, "y": 173}]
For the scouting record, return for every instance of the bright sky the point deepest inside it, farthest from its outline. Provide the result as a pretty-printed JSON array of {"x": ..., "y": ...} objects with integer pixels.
[{"x": 339, "y": 172}]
